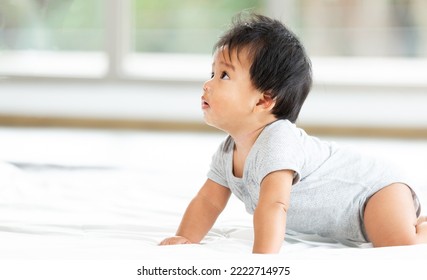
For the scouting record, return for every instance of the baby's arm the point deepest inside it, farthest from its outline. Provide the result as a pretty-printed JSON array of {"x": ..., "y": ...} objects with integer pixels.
[
  {"x": 270, "y": 213},
  {"x": 201, "y": 214}
]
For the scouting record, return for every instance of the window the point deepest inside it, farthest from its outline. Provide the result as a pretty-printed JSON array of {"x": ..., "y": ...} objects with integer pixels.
[
  {"x": 52, "y": 25},
  {"x": 43, "y": 38},
  {"x": 169, "y": 35},
  {"x": 189, "y": 26},
  {"x": 391, "y": 28},
  {"x": 155, "y": 39}
]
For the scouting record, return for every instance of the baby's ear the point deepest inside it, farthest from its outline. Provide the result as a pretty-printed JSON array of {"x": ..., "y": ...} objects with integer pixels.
[{"x": 266, "y": 101}]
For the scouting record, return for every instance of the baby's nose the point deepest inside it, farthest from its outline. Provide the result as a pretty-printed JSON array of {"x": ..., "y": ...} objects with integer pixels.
[{"x": 206, "y": 87}]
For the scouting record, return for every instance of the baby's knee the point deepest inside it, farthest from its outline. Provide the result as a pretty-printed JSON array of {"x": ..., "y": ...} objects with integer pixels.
[{"x": 418, "y": 235}]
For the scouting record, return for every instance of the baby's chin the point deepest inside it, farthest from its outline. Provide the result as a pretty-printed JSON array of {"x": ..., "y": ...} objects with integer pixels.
[{"x": 213, "y": 125}]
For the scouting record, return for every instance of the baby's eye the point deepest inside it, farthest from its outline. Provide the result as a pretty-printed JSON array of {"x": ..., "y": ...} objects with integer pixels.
[{"x": 225, "y": 76}]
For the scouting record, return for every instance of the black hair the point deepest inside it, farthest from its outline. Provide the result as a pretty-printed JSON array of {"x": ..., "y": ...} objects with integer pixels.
[{"x": 280, "y": 66}]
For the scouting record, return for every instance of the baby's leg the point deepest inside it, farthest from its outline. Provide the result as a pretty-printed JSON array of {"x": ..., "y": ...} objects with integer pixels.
[{"x": 390, "y": 218}]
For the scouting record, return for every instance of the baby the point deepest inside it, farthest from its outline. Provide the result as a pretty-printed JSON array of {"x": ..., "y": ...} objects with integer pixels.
[{"x": 291, "y": 182}]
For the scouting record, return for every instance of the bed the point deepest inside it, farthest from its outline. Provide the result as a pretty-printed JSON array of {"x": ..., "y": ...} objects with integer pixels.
[{"x": 115, "y": 194}]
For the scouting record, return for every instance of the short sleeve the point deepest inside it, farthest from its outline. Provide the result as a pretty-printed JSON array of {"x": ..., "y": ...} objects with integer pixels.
[
  {"x": 279, "y": 149},
  {"x": 217, "y": 171}
]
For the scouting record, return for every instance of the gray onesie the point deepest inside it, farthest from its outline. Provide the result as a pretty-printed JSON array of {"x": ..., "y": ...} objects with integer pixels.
[{"x": 331, "y": 185}]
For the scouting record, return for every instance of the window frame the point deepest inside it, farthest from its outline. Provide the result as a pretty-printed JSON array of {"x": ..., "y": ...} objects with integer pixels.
[{"x": 119, "y": 62}]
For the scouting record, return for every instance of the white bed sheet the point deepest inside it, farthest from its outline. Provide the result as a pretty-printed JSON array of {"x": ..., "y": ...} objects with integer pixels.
[{"x": 101, "y": 195}]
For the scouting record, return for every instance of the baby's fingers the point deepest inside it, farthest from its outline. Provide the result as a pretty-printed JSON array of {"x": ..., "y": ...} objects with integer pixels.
[{"x": 175, "y": 240}]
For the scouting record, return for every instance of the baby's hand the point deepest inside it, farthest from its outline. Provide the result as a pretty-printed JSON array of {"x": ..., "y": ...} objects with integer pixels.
[{"x": 175, "y": 240}]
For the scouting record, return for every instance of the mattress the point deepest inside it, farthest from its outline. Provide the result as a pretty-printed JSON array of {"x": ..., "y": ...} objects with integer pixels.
[{"x": 102, "y": 195}]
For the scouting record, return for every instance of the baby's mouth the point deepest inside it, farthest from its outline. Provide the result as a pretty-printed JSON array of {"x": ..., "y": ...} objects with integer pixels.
[{"x": 204, "y": 104}]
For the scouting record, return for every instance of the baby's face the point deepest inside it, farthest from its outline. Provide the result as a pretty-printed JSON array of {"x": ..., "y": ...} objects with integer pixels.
[{"x": 229, "y": 95}]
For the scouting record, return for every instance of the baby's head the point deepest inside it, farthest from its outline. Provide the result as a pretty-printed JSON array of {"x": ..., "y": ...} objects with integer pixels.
[{"x": 280, "y": 66}]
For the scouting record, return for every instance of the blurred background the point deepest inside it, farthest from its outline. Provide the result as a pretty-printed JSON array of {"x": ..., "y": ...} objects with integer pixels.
[{"x": 141, "y": 64}]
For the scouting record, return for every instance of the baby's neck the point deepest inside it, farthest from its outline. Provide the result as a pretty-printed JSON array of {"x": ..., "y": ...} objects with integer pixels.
[{"x": 244, "y": 140}]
